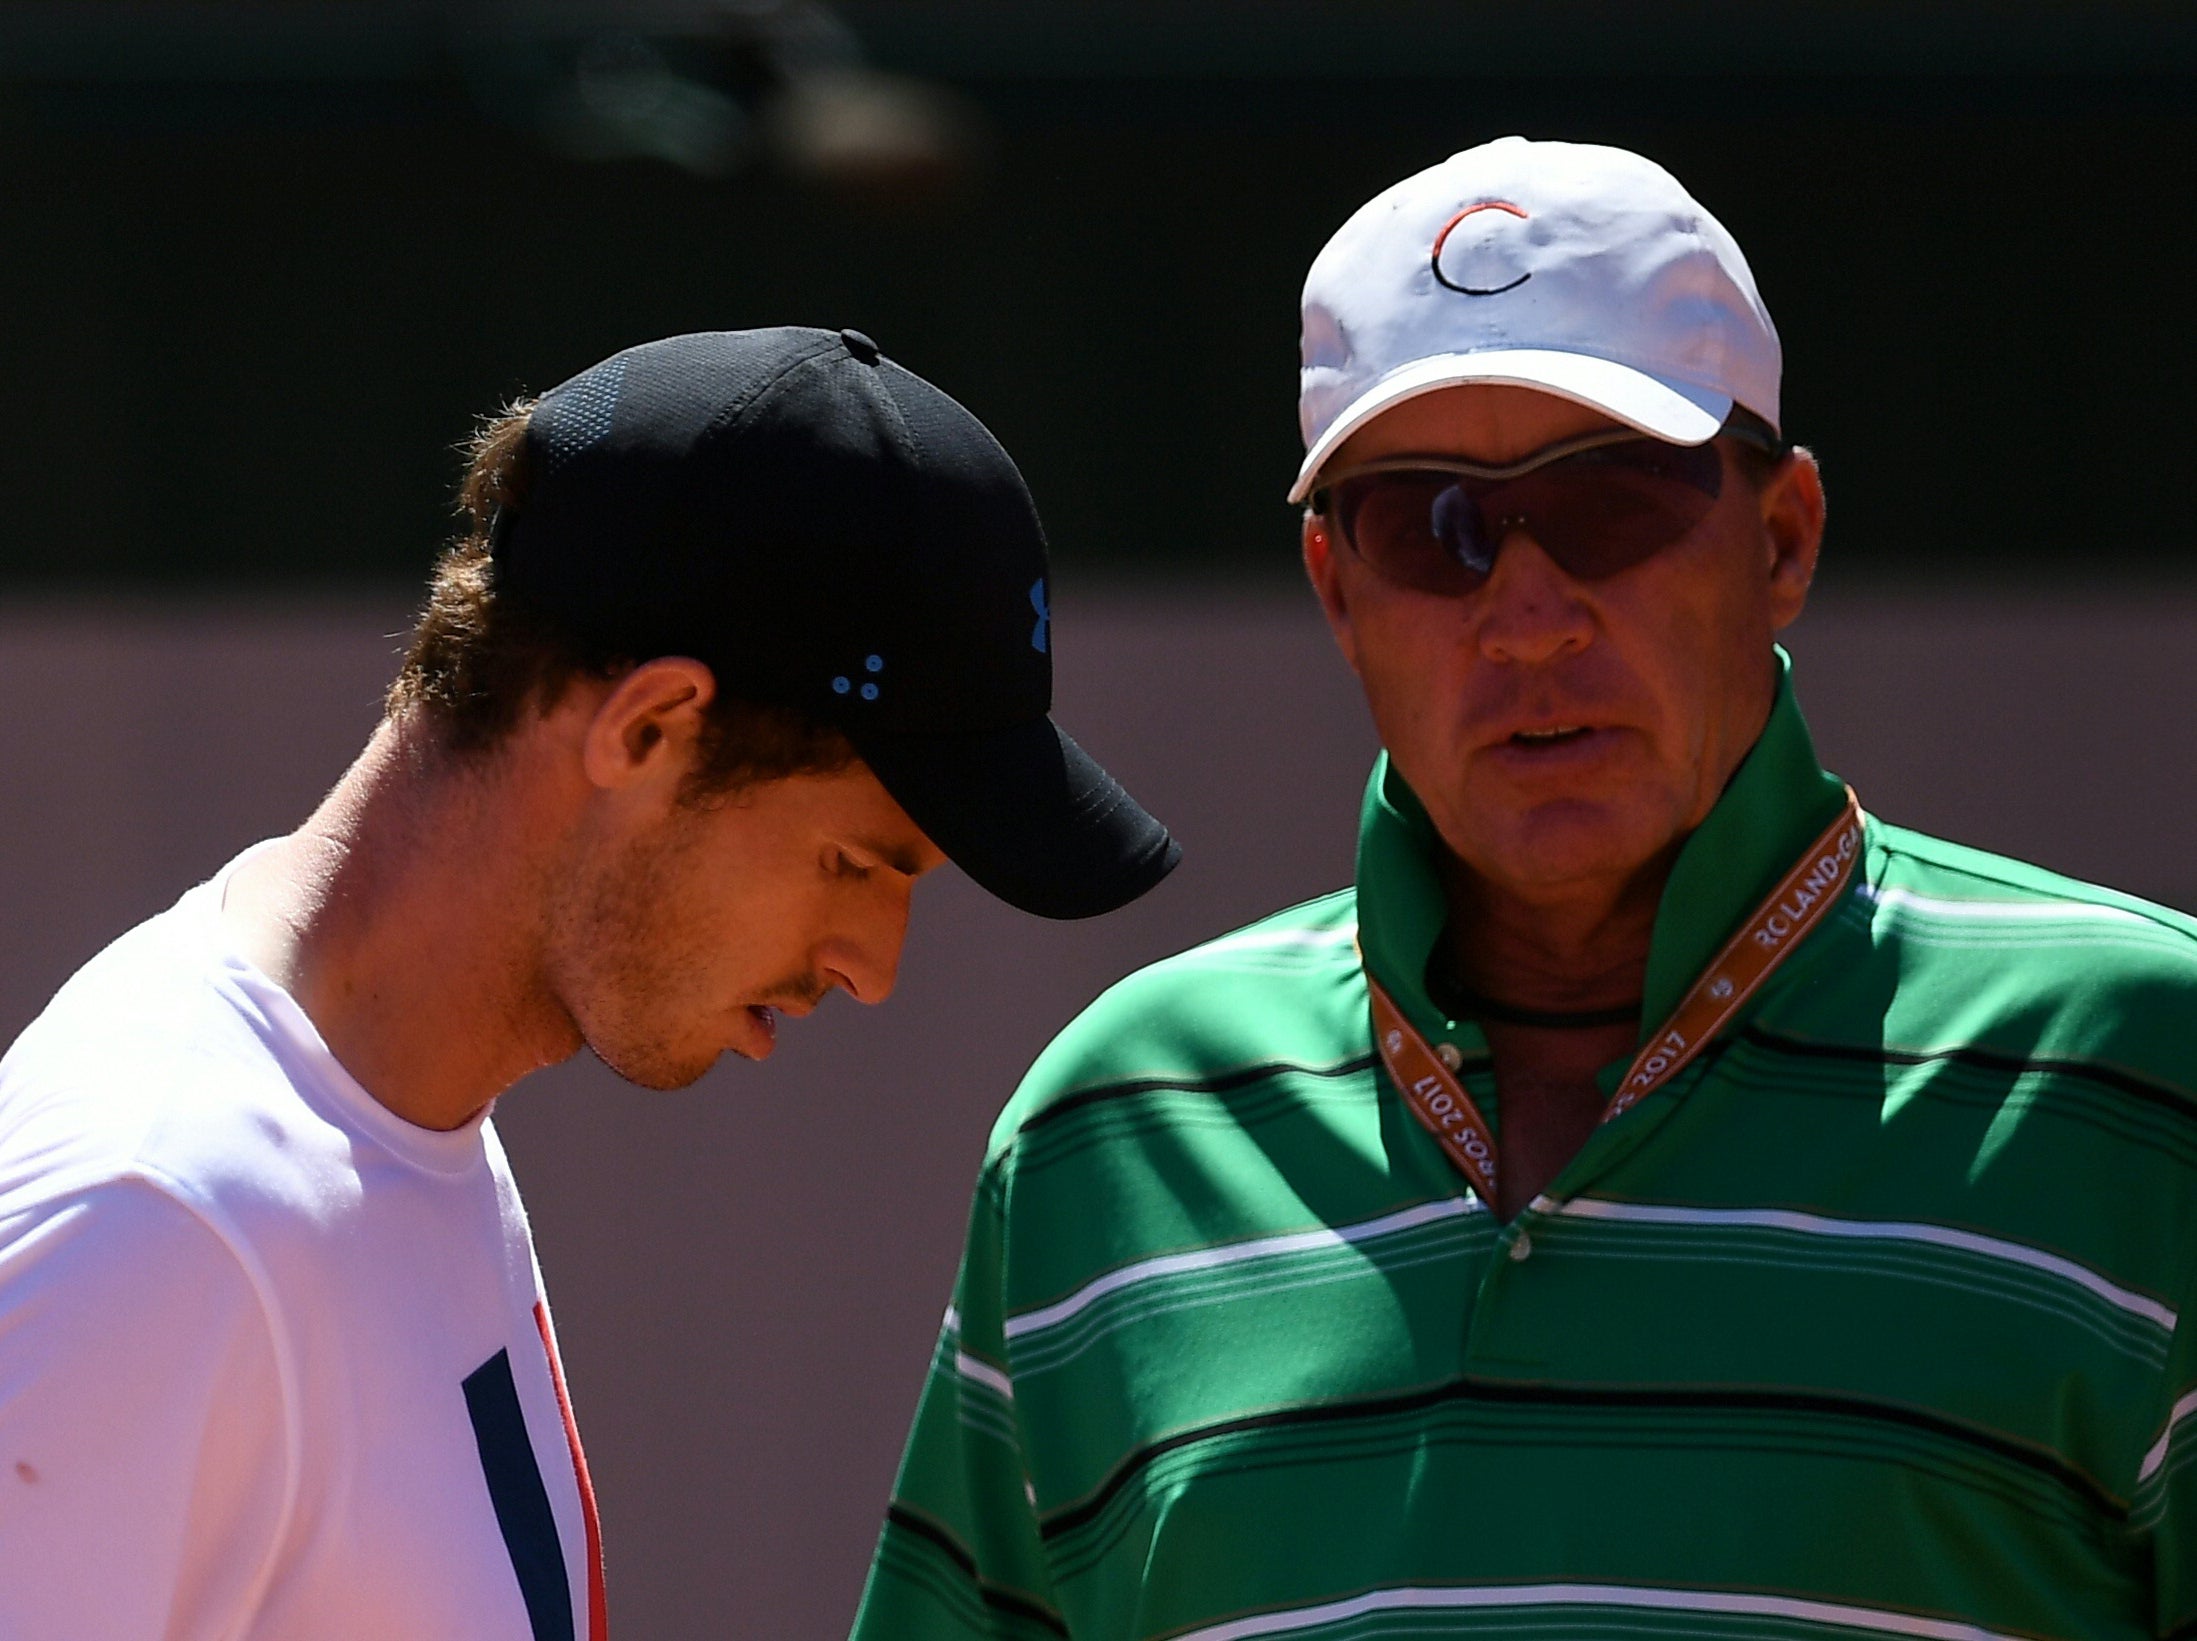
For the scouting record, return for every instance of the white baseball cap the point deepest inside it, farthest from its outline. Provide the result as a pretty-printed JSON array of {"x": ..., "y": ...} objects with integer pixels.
[{"x": 1581, "y": 271}]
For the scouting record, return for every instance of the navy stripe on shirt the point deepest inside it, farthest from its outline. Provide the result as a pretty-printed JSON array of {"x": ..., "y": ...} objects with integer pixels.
[{"x": 522, "y": 1502}]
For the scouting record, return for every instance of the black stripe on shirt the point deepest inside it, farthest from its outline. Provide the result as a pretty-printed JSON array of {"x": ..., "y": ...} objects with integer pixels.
[
  {"x": 1223, "y": 1082},
  {"x": 1007, "y": 1601},
  {"x": 1496, "y": 1392},
  {"x": 2162, "y": 1096},
  {"x": 521, "y": 1501}
]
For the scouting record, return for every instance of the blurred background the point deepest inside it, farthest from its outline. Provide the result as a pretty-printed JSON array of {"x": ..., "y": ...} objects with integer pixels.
[{"x": 266, "y": 261}]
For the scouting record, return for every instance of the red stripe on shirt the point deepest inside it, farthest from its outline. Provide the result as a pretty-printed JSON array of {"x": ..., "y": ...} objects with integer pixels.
[{"x": 598, "y": 1619}]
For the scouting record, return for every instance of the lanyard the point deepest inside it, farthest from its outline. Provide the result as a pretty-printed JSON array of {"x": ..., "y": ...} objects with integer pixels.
[{"x": 1808, "y": 890}]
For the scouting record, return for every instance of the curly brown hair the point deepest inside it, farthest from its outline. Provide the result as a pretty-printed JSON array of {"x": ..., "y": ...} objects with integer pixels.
[{"x": 477, "y": 664}]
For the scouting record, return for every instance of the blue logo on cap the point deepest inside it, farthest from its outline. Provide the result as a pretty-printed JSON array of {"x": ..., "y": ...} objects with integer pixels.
[
  {"x": 843, "y": 685},
  {"x": 1041, "y": 635}
]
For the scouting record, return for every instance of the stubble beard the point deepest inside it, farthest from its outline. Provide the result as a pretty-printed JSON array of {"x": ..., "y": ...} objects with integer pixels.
[{"x": 619, "y": 959}]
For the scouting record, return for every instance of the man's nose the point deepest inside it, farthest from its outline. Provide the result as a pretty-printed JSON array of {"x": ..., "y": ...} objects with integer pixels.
[
  {"x": 864, "y": 961},
  {"x": 1531, "y": 609}
]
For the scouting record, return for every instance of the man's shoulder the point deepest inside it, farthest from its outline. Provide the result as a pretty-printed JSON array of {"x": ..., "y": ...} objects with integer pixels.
[
  {"x": 1939, "y": 889},
  {"x": 1285, "y": 990},
  {"x": 2025, "y": 963},
  {"x": 144, "y": 1066},
  {"x": 110, "y": 1102}
]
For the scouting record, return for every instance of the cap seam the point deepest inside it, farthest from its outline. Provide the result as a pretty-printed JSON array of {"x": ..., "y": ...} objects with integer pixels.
[
  {"x": 919, "y": 449},
  {"x": 726, "y": 421}
]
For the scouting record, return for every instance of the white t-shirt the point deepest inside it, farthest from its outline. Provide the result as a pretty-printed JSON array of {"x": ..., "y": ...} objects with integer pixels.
[{"x": 273, "y": 1361}]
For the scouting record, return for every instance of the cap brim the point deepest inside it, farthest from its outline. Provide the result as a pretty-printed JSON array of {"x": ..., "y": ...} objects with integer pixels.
[
  {"x": 1028, "y": 815},
  {"x": 1674, "y": 411}
]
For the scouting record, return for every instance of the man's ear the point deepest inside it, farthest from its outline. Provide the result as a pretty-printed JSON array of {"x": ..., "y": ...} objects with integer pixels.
[
  {"x": 646, "y": 725},
  {"x": 1325, "y": 573},
  {"x": 1792, "y": 531}
]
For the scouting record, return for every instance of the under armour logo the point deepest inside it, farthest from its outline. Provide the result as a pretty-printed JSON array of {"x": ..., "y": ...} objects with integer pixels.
[{"x": 1041, "y": 635}]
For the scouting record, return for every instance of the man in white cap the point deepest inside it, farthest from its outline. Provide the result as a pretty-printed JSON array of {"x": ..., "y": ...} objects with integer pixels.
[{"x": 1658, "y": 1199}]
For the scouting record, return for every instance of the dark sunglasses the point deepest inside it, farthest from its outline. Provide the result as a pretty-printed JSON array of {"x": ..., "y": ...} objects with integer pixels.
[{"x": 1596, "y": 505}]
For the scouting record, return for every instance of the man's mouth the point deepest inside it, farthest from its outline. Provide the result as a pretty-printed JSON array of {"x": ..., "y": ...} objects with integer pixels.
[
  {"x": 1550, "y": 737},
  {"x": 795, "y": 1000}
]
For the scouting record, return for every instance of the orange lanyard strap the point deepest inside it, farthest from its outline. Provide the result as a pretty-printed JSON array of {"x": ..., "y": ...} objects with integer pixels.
[{"x": 1800, "y": 901}]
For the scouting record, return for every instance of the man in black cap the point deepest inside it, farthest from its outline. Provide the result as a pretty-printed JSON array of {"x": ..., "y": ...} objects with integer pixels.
[{"x": 750, "y": 631}]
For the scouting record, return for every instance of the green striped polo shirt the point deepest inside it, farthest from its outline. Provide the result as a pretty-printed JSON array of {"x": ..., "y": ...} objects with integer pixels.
[{"x": 1868, "y": 1324}]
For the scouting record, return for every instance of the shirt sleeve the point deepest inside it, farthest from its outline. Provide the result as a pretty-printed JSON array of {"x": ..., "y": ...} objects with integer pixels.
[
  {"x": 961, "y": 1558},
  {"x": 2163, "y": 1511},
  {"x": 143, "y": 1448}
]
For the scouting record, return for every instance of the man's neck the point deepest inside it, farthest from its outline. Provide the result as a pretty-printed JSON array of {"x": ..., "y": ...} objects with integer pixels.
[
  {"x": 1559, "y": 957},
  {"x": 1582, "y": 948},
  {"x": 392, "y": 916}
]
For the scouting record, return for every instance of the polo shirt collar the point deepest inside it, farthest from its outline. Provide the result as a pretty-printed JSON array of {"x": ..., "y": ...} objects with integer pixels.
[{"x": 1777, "y": 802}]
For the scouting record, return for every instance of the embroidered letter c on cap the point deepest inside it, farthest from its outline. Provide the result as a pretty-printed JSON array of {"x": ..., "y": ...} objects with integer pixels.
[{"x": 1473, "y": 251}]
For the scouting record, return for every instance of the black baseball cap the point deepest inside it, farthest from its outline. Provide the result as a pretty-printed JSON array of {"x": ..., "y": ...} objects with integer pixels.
[{"x": 827, "y": 531}]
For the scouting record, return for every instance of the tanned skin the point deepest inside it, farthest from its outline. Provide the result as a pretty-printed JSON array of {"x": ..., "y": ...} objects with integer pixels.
[
  {"x": 1556, "y": 855},
  {"x": 452, "y": 922}
]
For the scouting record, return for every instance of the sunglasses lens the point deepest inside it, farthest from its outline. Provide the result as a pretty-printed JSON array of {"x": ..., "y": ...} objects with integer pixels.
[
  {"x": 1419, "y": 530},
  {"x": 1606, "y": 510},
  {"x": 1595, "y": 513}
]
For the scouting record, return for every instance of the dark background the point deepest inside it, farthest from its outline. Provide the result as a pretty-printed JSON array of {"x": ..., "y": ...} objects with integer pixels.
[{"x": 264, "y": 263}]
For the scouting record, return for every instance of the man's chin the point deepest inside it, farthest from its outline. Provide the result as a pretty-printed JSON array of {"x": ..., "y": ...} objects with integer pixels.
[{"x": 660, "y": 1074}]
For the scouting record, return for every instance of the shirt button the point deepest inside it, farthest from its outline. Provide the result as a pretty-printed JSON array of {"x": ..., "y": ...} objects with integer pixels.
[
  {"x": 1449, "y": 1054},
  {"x": 1522, "y": 1249}
]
